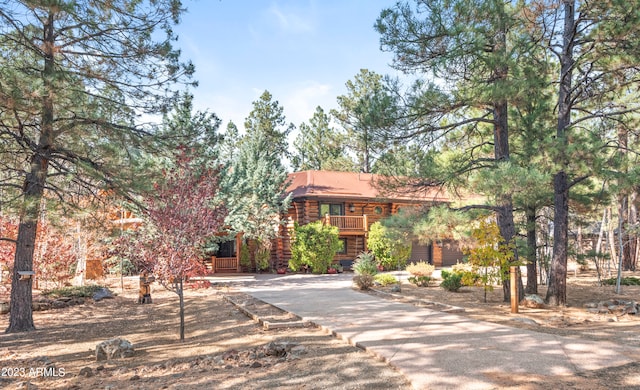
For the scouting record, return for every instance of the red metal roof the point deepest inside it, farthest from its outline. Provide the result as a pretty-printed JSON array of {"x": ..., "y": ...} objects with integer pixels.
[{"x": 353, "y": 185}]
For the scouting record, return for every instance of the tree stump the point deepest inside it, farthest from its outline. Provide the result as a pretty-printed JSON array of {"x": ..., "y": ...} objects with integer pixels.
[{"x": 145, "y": 288}]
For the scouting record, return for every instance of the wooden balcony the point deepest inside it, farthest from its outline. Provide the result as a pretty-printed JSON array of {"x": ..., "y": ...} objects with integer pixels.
[{"x": 348, "y": 224}]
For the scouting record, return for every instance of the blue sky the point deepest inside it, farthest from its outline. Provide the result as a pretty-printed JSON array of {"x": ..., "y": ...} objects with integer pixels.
[{"x": 301, "y": 51}]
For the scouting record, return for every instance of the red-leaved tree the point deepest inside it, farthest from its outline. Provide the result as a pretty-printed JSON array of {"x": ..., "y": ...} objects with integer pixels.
[
  {"x": 54, "y": 256},
  {"x": 8, "y": 235},
  {"x": 181, "y": 216}
]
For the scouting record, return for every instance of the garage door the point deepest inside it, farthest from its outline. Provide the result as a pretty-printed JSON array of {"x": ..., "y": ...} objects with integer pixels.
[
  {"x": 451, "y": 253},
  {"x": 420, "y": 252}
]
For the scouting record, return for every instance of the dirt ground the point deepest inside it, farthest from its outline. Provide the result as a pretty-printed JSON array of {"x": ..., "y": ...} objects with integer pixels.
[{"x": 225, "y": 349}]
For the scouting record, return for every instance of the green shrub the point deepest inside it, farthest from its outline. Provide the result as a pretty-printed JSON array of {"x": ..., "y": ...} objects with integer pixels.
[
  {"x": 628, "y": 281},
  {"x": 385, "y": 279},
  {"x": 315, "y": 245},
  {"x": 73, "y": 291},
  {"x": 421, "y": 268},
  {"x": 420, "y": 281},
  {"x": 451, "y": 281},
  {"x": 364, "y": 281},
  {"x": 390, "y": 247},
  {"x": 365, "y": 264},
  {"x": 469, "y": 275}
]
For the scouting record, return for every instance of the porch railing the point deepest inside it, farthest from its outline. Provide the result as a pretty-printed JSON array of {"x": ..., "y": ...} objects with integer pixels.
[
  {"x": 221, "y": 264},
  {"x": 347, "y": 223}
]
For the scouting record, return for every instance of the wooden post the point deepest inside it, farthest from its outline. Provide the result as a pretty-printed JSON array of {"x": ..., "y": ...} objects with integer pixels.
[{"x": 513, "y": 271}]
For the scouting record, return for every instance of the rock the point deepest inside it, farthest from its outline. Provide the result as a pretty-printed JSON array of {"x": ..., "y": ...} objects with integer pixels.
[
  {"x": 134, "y": 378},
  {"x": 256, "y": 365},
  {"x": 533, "y": 301},
  {"x": 4, "y": 307},
  {"x": 103, "y": 293},
  {"x": 26, "y": 386},
  {"x": 86, "y": 372},
  {"x": 115, "y": 348},
  {"x": 58, "y": 304},
  {"x": 524, "y": 320},
  {"x": 395, "y": 289},
  {"x": 278, "y": 348}
]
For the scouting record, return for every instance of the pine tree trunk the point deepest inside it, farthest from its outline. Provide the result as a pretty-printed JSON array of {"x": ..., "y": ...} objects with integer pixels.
[
  {"x": 557, "y": 291},
  {"x": 504, "y": 215},
  {"x": 21, "y": 314},
  {"x": 532, "y": 261}
]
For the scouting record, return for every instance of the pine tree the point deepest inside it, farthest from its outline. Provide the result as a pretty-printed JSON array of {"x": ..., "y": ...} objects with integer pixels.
[
  {"x": 254, "y": 182},
  {"x": 76, "y": 79},
  {"x": 596, "y": 46},
  {"x": 319, "y": 146},
  {"x": 368, "y": 114},
  {"x": 473, "y": 48}
]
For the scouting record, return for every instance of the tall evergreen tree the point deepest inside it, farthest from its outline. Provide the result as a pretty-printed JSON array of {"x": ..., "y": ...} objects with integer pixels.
[
  {"x": 368, "y": 113},
  {"x": 77, "y": 77},
  {"x": 267, "y": 118},
  {"x": 319, "y": 146},
  {"x": 597, "y": 49},
  {"x": 254, "y": 182},
  {"x": 472, "y": 47}
]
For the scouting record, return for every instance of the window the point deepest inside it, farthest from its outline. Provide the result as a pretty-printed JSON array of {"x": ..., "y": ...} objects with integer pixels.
[
  {"x": 343, "y": 248},
  {"x": 378, "y": 210},
  {"x": 226, "y": 249},
  {"x": 331, "y": 209}
]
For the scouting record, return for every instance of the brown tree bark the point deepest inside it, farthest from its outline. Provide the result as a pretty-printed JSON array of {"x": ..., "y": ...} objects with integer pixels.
[
  {"x": 532, "y": 260},
  {"x": 557, "y": 291},
  {"x": 21, "y": 315}
]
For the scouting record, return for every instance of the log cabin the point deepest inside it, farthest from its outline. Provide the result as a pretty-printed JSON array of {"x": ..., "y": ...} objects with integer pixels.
[{"x": 353, "y": 202}]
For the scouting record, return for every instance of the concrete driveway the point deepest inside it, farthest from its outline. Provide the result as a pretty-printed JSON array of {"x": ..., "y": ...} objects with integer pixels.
[{"x": 433, "y": 349}]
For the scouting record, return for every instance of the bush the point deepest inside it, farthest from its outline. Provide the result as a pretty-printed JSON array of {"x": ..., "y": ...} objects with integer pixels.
[
  {"x": 385, "y": 279},
  {"x": 628, "y": 281},
  {"x": 451, "y": 281},
  {"x": 364, "y": 282},
  {"x": 421, "y": 268},
  {"x": 314, "y": 245},
  {"x": 73, "y": 291},
  {"x": 365, "y": 264},
  {"x": 469, "y": 275},
  {"x": 420, "y": 281},
  {"x": 390, "y": 247}
]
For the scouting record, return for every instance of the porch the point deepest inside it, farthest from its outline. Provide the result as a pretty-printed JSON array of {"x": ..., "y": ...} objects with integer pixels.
[{"x": 355, "y": 225}]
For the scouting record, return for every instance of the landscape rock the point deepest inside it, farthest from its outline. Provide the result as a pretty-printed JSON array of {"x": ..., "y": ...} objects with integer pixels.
[
  {"x": 26, "y": 386},
  {"x": 59, "y": 304},
  {"x": 533, "y": 301},
  {"x": 524, "y": 320},
  {"x": 86, "y": 372},
  {"x": 103, "y": 293},
  {"x": 613, "y": 306},
  {"x": 115, "y": 348},
  {"x": 279, "y": 348}
]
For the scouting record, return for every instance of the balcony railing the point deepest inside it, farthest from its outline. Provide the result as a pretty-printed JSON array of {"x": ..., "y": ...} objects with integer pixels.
[{"x": 347, "y": 223}]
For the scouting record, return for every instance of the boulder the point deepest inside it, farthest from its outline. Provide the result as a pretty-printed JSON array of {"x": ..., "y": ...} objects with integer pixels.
[
  {"x": 103, "y": 293},
  {"x": 533, "y": 301},
  {"x": 115, "y": 348}
]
